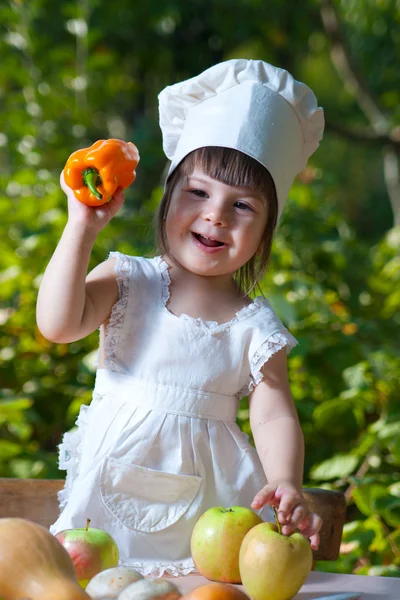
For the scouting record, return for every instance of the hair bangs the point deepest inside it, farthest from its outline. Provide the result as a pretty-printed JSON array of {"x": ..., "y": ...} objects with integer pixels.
[{"x": 230, "y": 167}]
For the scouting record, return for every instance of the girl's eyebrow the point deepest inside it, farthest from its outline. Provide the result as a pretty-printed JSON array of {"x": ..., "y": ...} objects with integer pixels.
[{"x": 199, "y": 179}]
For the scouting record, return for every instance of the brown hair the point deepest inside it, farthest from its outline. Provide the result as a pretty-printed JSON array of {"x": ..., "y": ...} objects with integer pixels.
[{"x": 232, "y": 168}]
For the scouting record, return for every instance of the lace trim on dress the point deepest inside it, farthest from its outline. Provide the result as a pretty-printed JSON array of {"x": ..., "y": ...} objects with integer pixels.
[
  {"x": 271, "y": 346},
  {"x": 209, "y": 326},
  {"x": 117, "y": 317},
  {"x": 150, "y": 569},
  {"x": 70, "y": 450},
  {"x": 165, "y": 279}
]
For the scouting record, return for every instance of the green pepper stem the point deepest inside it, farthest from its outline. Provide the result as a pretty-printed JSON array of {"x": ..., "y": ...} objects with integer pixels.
[{"x": 92, "y": 179}]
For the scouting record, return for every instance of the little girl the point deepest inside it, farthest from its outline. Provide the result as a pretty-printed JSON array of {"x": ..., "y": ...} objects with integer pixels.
[{"x": 180, "y": 339}]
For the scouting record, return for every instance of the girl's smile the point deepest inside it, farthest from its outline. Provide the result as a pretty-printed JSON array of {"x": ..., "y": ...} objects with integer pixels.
[
  {"x": 214, "y": 228},
  {"x": 208, "y": 244}
]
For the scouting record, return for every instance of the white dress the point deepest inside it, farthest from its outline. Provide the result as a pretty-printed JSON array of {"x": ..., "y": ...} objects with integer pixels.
[{"x": 159, "y": 443}]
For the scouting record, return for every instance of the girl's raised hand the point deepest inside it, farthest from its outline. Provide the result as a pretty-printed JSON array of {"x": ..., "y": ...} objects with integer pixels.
[
  {"x": 292, "y": 510},
  {"x": 94, "y": 218}
]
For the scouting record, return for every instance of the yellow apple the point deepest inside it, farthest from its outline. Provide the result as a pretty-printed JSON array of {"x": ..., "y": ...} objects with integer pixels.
[
  {"x": 216, "y": 539},
  {"x": 273, "y": 565}
]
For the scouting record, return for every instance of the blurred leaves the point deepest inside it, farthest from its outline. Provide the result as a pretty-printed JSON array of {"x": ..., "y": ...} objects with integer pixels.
[
  {"x": 340, "y": 465},
  {"x": 73, "y": 72}
]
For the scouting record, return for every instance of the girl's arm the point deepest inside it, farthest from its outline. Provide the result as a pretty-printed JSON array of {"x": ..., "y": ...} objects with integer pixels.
[
  {"x": 280, "y": 445},
  {"x": 71, "y": 305}
]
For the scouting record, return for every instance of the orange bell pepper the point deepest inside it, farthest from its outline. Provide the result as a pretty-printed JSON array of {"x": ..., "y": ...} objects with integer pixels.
[{"x": 95, "y": 173}]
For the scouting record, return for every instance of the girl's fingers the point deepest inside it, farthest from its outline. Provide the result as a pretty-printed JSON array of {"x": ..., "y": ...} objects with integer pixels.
[
  {"x": 116, "y": 201},
  {"x": 287, "y": 529},
  {"x": 265, "y": 496},
  {"x": 282, "y": 517},
  {"x": 289, "y": 522},
  {"x": 298, "y": 514},
  {"x": 292, "y": 512},
  {"x": 289, "y": 502},
  {"x": 314, "y": 541},
  {"x": 67, "y": 190},
  {"x": 310, "y": 525},
  {"x": 119, "y": 195}
]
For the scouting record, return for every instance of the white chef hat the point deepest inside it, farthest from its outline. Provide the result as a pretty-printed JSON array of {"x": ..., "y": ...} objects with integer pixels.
[{"x": 248, "y": 105}]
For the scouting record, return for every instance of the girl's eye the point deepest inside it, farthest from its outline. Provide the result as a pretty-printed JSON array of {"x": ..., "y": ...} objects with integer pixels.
[
  {"x": 199, "y": 193},
  {"x": 243, "y": 206}
]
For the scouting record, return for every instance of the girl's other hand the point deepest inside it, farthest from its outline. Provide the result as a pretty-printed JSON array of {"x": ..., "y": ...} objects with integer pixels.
[
  {"x": 292, "y": 510},
  {"x": 90, "y": 216}
]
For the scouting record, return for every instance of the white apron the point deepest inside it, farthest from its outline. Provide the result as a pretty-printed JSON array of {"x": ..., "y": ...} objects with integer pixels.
[{"x": 159, "y": 443}]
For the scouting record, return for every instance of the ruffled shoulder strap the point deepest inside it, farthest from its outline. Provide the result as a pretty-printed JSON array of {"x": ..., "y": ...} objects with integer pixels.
[
  {"x": 122, "y": 269},
  {"x": 269, "y": 335},
  {"x": 269, "y": 347},
  {"x": 138, "y": 285}
]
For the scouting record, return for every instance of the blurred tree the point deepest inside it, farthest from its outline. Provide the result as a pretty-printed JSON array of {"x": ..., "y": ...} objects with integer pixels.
[{"x": 383, "y": 129}]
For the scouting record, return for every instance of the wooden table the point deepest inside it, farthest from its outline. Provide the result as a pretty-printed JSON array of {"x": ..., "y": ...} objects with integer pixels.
[{"x": 325, "y": 584}]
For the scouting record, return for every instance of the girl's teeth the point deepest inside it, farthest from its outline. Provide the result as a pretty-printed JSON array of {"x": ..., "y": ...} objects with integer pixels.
[{"x": 207, "y": 242}]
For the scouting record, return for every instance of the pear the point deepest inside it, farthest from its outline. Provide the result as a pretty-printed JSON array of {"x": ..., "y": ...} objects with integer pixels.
[{"x": 273, "y": 565}]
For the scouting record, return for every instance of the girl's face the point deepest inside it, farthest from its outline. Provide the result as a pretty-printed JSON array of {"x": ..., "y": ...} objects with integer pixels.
[{"x": 213, "y": 229}]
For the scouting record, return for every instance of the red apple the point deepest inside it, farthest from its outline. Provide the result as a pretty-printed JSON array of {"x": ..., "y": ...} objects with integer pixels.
[
  {"x": 92, "y": 551},
  {"x": 273, "y": 565},
  {"x": 216, "y": 540}
]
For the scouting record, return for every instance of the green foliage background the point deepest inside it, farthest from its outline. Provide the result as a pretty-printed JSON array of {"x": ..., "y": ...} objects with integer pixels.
[{"x": 72, "y": 72}]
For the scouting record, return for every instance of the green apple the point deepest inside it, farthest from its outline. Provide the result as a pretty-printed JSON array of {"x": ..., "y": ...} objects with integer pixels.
[
  {"x": 216, "y": 540},
  {"x": 273, "y": 565},
  {"x": 92, "y": 551}
]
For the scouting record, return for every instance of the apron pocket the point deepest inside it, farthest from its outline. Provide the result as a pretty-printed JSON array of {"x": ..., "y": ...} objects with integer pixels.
[{"x": 144, "y": 499}]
